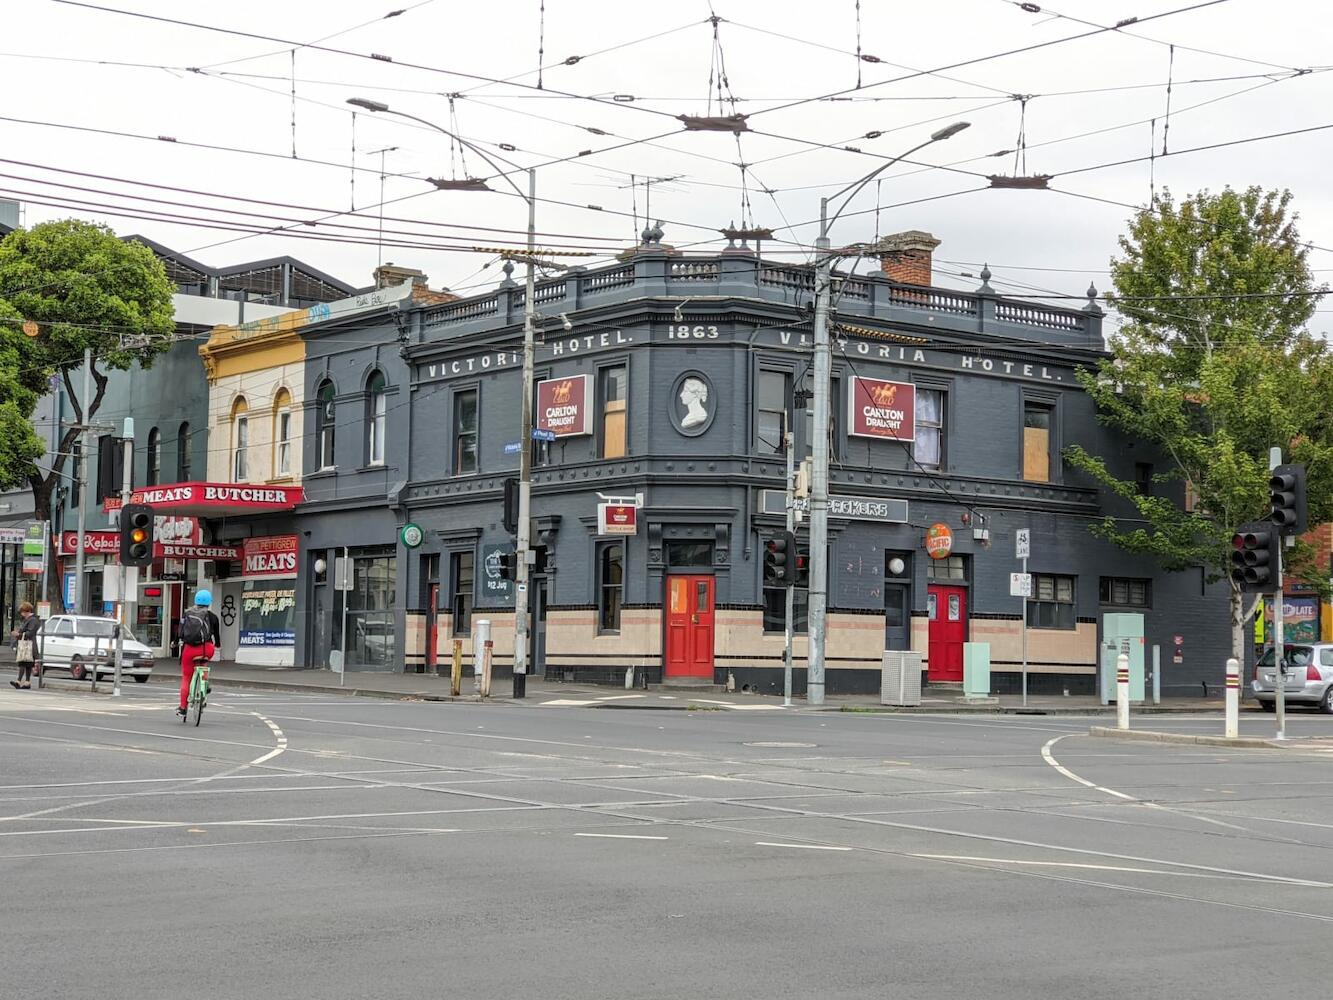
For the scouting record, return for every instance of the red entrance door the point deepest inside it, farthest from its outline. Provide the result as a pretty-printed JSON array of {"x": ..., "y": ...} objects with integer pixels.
[
  {"x": 946, "y": 608},
  {"x": 433, "y": 628},
  {"x": 689, "y": 627}
]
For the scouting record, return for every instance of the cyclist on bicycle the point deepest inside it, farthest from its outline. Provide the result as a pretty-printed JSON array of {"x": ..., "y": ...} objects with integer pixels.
[{"x": 199, "y": 629}]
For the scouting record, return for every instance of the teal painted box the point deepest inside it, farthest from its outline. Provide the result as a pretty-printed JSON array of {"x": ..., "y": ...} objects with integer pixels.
[{"x": 976, "y": 669}]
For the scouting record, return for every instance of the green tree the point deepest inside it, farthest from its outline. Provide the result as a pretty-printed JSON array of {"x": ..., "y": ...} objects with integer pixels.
[
  {"x": 1213, "y": 367},
  {"x": 67, "y": 287}
]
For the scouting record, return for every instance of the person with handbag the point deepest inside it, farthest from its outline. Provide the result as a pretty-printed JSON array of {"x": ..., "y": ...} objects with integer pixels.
[{"x": 25, "y": 645}]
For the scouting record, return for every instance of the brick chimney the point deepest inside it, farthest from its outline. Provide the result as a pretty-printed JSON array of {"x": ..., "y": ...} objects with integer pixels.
[
  {"x": 390, "y": 275},
  {"x": 906, "y": 257}
]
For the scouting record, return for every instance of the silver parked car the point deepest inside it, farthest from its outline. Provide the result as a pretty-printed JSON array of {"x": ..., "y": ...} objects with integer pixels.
[
  {"x": 1309, "y": 679},
  {"x": 83, "y": 643}
]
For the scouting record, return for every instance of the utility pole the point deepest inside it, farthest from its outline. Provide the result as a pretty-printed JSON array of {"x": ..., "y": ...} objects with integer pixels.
[
  {"x": 818, "y": 607},
  {"x": 81, "y": 476},
  {"x": 523, "y": 542},
  {"x": 789, "y": 623},
  {"x": 126, "y": 478},
  {"x": 1279, "y": 650}
]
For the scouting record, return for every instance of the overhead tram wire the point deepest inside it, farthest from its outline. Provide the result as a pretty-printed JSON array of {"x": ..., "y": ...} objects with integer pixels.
[{"x": 968, "y": 62}]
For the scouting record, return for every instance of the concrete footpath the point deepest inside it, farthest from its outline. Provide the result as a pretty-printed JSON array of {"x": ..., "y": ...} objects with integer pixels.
[{"x": 428, "y": 687}]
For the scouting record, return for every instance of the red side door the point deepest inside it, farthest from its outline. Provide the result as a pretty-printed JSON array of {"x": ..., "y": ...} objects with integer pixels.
[
  {"x": 947, "y": 611},
  {"x": 433, "y": 628},
  {"x": 689, "y": 627}
]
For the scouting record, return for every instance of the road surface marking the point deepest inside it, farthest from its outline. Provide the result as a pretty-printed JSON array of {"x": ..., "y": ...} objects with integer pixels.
[
  {"x": 1047, "y": 756},
  {"x": 1075, "y": 864},
  {"x": 282, "y": 740},
  {"x": 801, "y": 847},
  {"x": 621, "y": 836}
]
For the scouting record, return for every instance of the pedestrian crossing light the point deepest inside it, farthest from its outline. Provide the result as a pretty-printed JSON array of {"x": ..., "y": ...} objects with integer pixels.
[
  {"x": 780, "y": 560},
  {"x": 1254, "y": 558},
  {"x": 1286, "y": 490},
  {"x": 509, "y": 565},
  {"x": 136, "y": 534}
]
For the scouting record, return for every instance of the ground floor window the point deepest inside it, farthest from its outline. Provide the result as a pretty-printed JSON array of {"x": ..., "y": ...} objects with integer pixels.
[
  {"x": 775, "y": 609},
  {"x": 948, "y": 568},
  {"x": 268, "y": 614},
  {"x": 462, "y": 581},
  {"x": 1052, "y": 602},
  {"x": 371, "y": 639},
  {"x": 611, "y": 586}
]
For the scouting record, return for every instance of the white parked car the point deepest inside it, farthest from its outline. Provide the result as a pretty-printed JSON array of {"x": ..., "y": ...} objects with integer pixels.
[{"x": 82, "y": 643}]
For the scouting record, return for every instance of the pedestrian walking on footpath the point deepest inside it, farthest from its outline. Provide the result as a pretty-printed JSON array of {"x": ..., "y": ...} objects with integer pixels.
[{"x": 25, "y": 645}]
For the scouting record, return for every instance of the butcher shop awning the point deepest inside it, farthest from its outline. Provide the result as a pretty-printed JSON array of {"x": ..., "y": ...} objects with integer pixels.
[{"x": 214, "y": 499}]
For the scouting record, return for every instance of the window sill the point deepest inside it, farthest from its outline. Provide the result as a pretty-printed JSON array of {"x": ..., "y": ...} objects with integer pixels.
[
  {"x": 327, "y": 472},
  {"x": 1051, "y": 628},
  {"x": 372, "y": 467},
  {"x": 608, "y": 632},
  {"x": 277, "y": 480}
]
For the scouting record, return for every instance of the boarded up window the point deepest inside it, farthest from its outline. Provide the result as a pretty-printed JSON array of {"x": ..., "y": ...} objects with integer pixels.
[
  {"x": 615, "y": 393},
  {"x": 1036, "y": 443}
]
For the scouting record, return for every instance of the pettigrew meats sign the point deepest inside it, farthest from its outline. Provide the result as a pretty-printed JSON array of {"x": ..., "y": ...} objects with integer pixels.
[
  {"x": 564, "y": 405},
  {"x": 882, "y": 409},
  {"x": 271, "y": 556}
]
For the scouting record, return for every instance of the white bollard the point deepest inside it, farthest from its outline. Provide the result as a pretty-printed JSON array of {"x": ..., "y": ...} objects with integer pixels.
[
  {"x": 1122, "y": 691},
  {"x": 1233, "y": 699},
  {"x": 481, "y": 643}
]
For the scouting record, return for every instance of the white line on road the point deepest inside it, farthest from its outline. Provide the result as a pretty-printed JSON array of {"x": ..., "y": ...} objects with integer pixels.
[
  {"x": 282, "y": 740},
  {"x": 801, "y": 847},
  {"x": 1047, "y": 756},
  {"x": 621, "y": 836}
]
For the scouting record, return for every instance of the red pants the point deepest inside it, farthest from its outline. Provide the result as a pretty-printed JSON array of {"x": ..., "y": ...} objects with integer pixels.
[{"x": 188, "y": 655}]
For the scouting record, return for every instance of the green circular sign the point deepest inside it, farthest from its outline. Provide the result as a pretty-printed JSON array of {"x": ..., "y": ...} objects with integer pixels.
[{"x": 412, "y": 535}]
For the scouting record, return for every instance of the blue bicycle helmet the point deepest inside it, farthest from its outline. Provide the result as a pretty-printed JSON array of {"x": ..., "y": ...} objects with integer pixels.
[{"x": 203, "y": 599}]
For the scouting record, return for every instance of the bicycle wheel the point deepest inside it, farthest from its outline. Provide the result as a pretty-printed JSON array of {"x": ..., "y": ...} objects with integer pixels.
[{"x": 195, "y": 711}]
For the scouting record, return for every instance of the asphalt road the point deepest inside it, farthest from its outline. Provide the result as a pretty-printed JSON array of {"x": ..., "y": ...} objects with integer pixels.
[{"x": 298, "y": 846}]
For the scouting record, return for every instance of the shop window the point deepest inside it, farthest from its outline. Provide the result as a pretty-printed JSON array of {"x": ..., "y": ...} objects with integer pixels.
[
  {"x": 1052, "y": 602},
  {"x": 462, "y": 580},
  {"x": 928, "y": 448},
  {"x": 1036, "y": 443},
  {"x": 775, "y": 609},
  {"x": 465, "y": 432},
  {"x": 240, "y": 440},
  {"x": 153, "y": 470},
  {"x": 770, "y": 401},
  {"x": 376, "y": 418},
  {"x": 325, "y": 414},
  {"x": 611, "y": 586},
  {"x": 282, "y": 434},
  {"x": 371, "y": 633},
  {"x": 268, "y": 614},
  {"x": 614, "y": 391},
  {"x": 951, "y": 568},
  {"x": 1125, "y": 592},
  {"x": 184, "y": 452}
]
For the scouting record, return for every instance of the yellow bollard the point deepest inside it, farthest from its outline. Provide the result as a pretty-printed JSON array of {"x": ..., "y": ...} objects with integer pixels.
[{"x": 456, "y": 677}]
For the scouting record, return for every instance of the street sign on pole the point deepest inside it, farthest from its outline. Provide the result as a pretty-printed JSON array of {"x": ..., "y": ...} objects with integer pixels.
[
  {"x": 542, "y": 434},
  {"x": 1020, "y": 584},
  {"x": 513, "y": 447},
  {"x": 1022, "y": 545}
]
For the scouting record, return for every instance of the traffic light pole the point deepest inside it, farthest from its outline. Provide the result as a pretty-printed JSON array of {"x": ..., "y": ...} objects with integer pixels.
[
  {"x": 126, "y": 479},
  {"x": 791, "y": 589},
  {"x": 1279, "y": 650},
  {"x": 523, "y": 539}
]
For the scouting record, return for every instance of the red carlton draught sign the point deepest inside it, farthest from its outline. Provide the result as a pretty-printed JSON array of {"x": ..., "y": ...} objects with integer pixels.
[
  {"x": 564, "y": 405},
  {"x": 274, "y": 555},
  {"x": 881, "y": 409}
]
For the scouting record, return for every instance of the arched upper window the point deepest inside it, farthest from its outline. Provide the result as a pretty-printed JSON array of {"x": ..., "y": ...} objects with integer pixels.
[
  {"x": 282, "y": 434},
  {"x": 240, "y": 440},
  {"x": 183, "y": 449},
  {"x": 324, "y": 422},
  {"x": 153, "y": 467},
  {"x": 376, "y": 418}
]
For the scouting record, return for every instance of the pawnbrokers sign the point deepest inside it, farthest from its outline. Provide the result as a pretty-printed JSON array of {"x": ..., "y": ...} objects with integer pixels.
[
  {"x": 882, "y": 409},
  {"x": 564, "y": 405}
]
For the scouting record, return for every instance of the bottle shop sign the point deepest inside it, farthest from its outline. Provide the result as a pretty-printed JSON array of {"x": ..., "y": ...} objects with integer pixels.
[{"x": 617, "y": 519}]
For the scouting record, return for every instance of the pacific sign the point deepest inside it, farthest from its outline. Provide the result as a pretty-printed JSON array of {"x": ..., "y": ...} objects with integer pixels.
[{"x": 882, "y": 409}]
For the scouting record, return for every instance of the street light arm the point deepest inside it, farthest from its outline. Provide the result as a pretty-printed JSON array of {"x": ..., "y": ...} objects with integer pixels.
[
  {"x": 385, "y": 109},
  {"x": 856, "y": 186}
]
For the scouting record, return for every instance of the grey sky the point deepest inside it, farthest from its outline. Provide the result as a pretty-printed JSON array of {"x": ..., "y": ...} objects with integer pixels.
[{"x": 669, "y": 74}]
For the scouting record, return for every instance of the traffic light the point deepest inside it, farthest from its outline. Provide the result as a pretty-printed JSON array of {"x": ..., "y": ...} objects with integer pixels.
[
  {"x": 136, "y": 534},
  {"x": 803, "y": 569},
  {"x": 1287, "y": 493},
  {"x": 509, "y": 565},
  {"x": 1254, "y": 558},
  {"x": 780, "y": 560},
  {"x": 510, "y": 516}
]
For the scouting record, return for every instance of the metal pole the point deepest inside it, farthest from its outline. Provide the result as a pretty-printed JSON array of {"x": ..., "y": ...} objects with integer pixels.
[
  {"x": 1024, "y": 625},
  {"x": 1157, "y": 675},
  {"x": 818, "y": 607},
  {"x": 81, "y": 479},
  {"x": 525, "y": 454},
  {"x": 789, "y": 622},
  {"x": 345, "y": 578},
  {"x": 1233, "y": 699},
  {"x": 46, "y": 561},
  {"x": 127, "y": 477},
  {"x": 1279, "y": 650}
]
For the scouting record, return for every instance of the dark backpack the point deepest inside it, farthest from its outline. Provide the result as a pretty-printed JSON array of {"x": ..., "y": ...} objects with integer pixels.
[{"x": 195, "y": 628}]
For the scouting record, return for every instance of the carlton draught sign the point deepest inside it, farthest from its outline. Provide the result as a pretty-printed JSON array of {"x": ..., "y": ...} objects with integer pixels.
[
  {"x": 564, "y": 405},
  {"x": 881, "y": 409}
]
